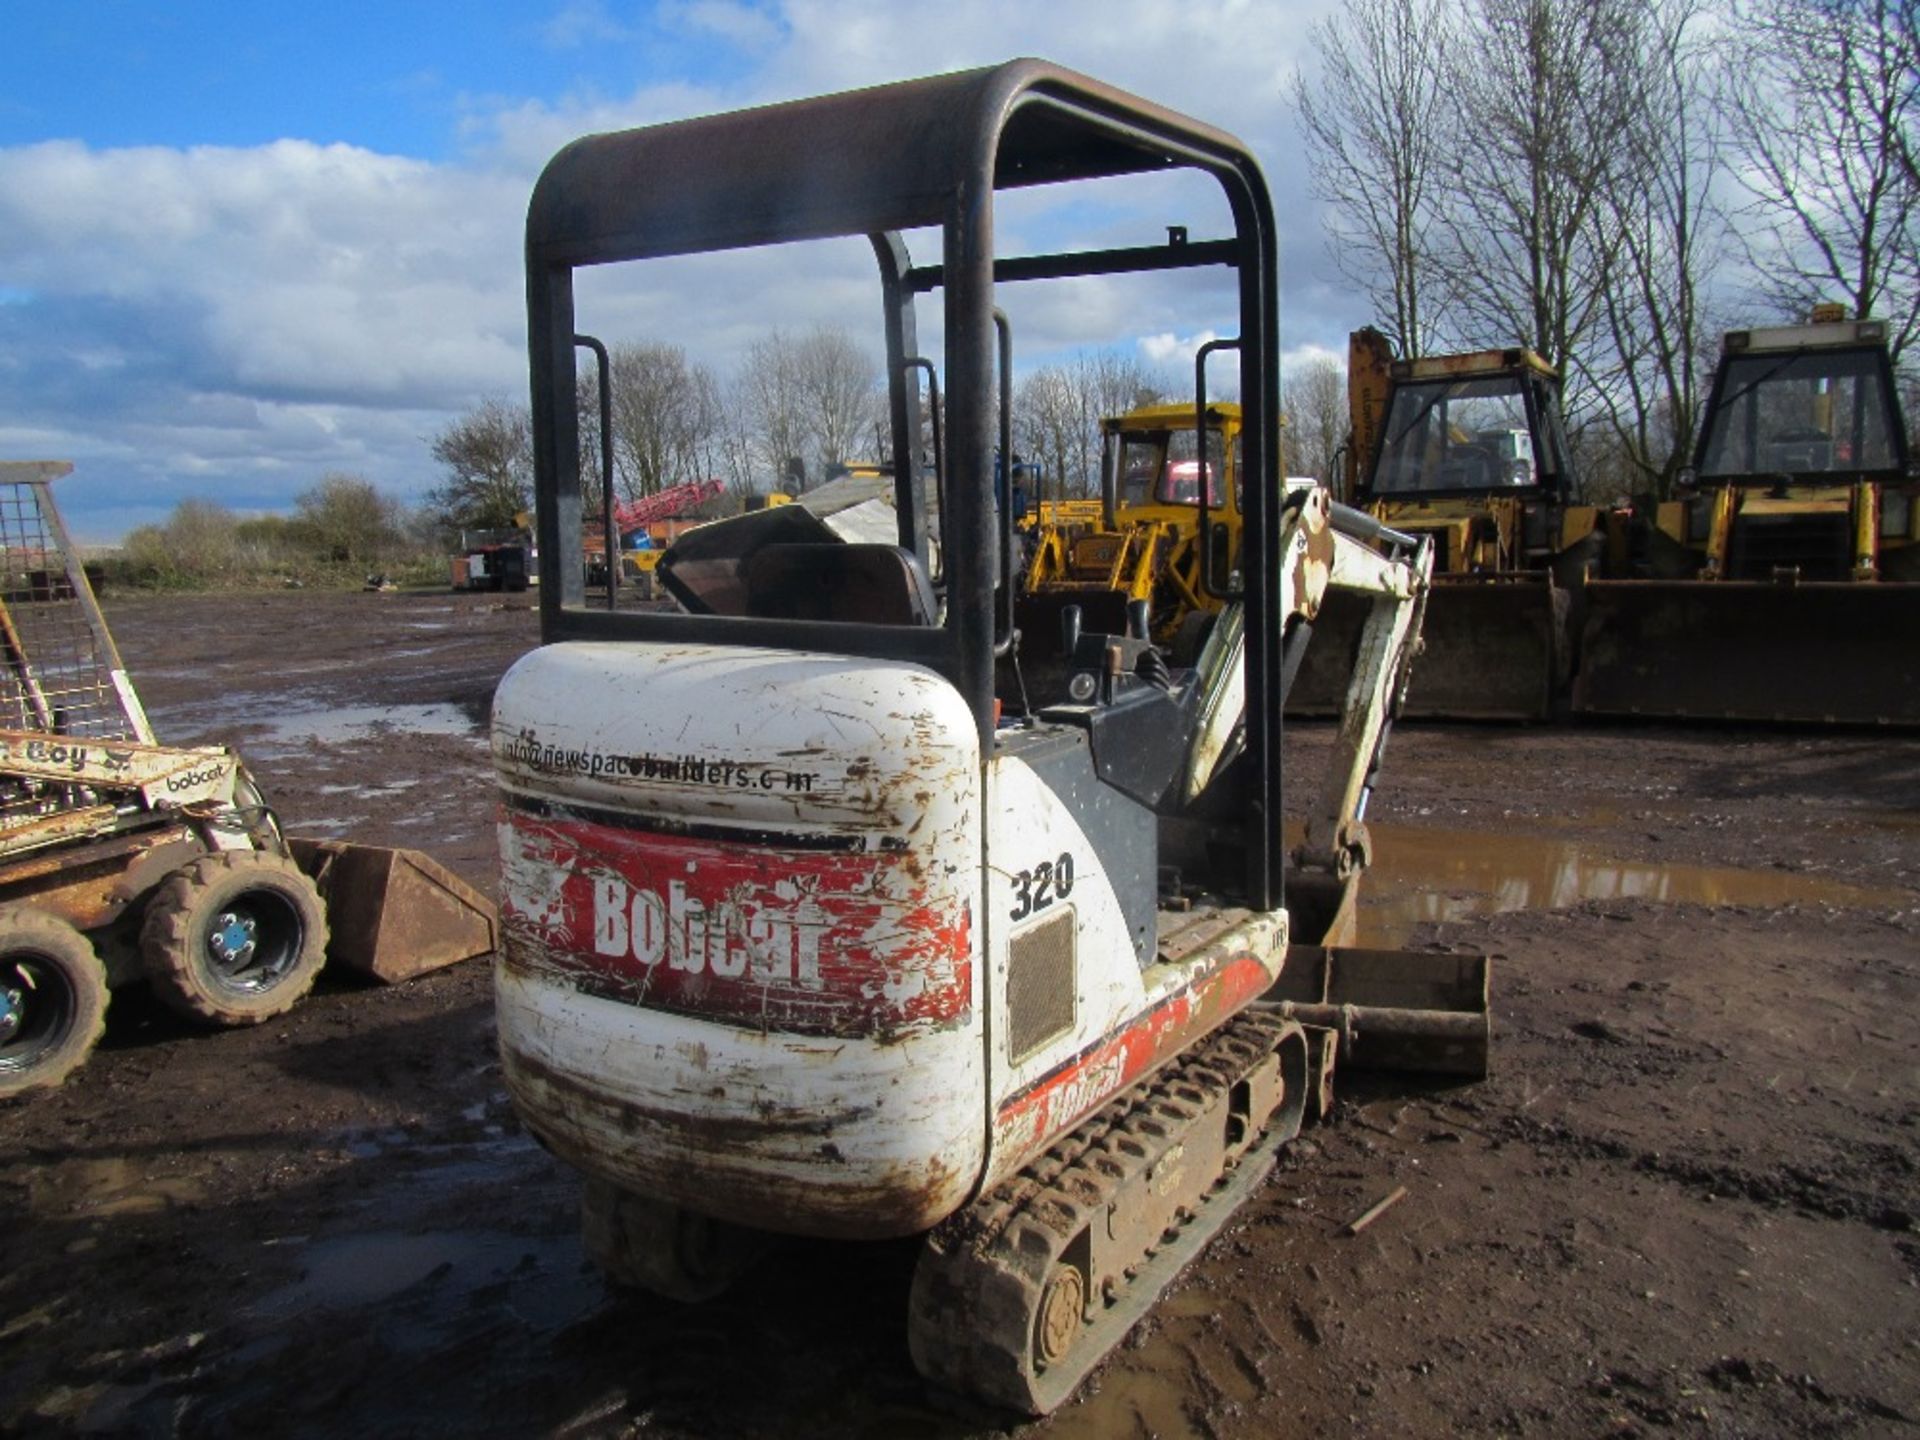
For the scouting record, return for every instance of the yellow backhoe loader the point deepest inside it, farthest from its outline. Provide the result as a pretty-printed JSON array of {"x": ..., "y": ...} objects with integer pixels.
[
  {"x": 1140, "y": 543},
  {"x": 1784, "y": 582},
  {"x": 1467, "y": 450}
]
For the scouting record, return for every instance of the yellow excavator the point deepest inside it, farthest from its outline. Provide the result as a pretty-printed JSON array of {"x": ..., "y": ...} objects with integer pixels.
[
  {"x": 1783, "y": 583},
  {"x": 1140, "y": 543},
  {"x": 1467, "y": 450}
]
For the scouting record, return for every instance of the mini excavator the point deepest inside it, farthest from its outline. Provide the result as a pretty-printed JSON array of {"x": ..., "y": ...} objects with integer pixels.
[{"x": 820, "y": 917}]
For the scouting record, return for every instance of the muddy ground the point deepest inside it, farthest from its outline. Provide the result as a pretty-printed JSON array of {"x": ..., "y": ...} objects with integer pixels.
[{"x": 1685, "y": 1203}]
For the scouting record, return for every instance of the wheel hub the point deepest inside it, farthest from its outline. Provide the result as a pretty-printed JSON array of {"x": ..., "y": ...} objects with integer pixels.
[
  {"x": 1060, "y": 1312},
  {"x": 13, "y": 1011},
  {"x": 233, "y": 940}
]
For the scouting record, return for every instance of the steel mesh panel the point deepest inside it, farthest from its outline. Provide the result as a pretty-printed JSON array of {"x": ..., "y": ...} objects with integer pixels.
[
  {"x": 1040, "y": 984},
  {"x": 58, "y": 670}
]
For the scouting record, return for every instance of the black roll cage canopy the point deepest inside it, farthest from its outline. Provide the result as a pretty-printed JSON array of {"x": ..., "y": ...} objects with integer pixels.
[{"x": 876, "y": 162}]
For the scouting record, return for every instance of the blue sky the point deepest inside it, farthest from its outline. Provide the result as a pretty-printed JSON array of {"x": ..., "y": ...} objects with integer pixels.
[
  {"x": 395, "y": 77},
  {"x": 245, "y": 245}
]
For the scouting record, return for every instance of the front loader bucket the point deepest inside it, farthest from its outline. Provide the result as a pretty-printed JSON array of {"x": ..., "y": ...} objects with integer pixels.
[
  {"x": 1403, "y": 1010},
  {"x": 395, "y": 914},
  {"x": 1492, "y": 648},
  {"x": 1830, "y": 652}
]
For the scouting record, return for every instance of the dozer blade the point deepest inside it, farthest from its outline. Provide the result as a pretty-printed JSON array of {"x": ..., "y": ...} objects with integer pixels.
[
  {"x": 395, "y": 914},
  {"x": 1492, "y": 648},
  {"x": 1829, "y": 652},
  {"x": 1403, "y": 1010}
]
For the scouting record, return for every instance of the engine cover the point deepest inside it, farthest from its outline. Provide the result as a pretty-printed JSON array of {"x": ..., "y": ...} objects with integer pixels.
[{"x": 740, "y": 953}]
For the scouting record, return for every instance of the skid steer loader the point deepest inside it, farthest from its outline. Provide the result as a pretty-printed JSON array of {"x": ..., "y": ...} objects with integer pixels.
[
  {"x": 809, "y": 928},
  {"x": 122, "y": 859},
  {"x": 1783, "y": 582}
]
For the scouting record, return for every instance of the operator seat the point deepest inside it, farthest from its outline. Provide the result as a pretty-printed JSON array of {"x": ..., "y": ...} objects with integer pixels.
[{"x": 865, "y": 584}]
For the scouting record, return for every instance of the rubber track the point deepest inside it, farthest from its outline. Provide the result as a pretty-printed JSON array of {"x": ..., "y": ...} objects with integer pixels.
[{"x": 982, "y": 1272}]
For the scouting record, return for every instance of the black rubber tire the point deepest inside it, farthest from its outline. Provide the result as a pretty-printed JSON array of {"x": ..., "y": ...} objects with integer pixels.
[
  {"x": 58, "y": 988},
  {"x": 195, "y": 916}
]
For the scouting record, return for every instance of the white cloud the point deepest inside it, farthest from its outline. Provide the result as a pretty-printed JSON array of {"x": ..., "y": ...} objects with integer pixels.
[
  {"x": 583, "y": 22},
  {"x": 746, "y": 27},
  {"x": 290, "y": 268},
  {"x": 1298, "y": 356},
  {"x": 238, "y": 321},
  {"x": 1171, "y": 350}
]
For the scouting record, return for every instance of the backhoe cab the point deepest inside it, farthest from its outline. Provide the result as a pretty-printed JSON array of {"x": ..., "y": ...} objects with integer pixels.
[{"x": 824, "y": 917}]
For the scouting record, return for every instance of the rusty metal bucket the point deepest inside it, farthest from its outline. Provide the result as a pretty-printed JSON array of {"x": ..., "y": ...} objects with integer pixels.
[
  {"x": 1321, "y": 910},
  {"x": 395, "y": 914},
  {"x": 1492, "y": 648},
  {"x": 1403, "y": 1010},
  {"x": 1830, "y": 652}
]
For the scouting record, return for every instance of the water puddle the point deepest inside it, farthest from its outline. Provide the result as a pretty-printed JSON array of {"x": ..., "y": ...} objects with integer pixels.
[
  {"x": 404, "y": 1243},
  {"x": 337, "y": 828},
  {"x": 391, "y": 787},
  {"x": 1422, "y": 876},
  {"x": 110, "y": 1187},
  {"x": 359, "y": 722},
  {"x": 1148, "y": 1387},
  {"x": 351, "y": 1271},
  {"x": 194, "y": 722},
  {"x": 284, "y": 723}
]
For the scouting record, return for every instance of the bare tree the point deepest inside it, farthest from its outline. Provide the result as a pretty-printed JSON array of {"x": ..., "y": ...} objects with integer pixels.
[
  {"x": 1670, "y": 227},
  {"x": 1057, "y": 412},
  {"x": 1542, "y": 99},
  {"x": 488, "y": 456},
  {"x": 1049, "y": 429},
  {"x": 839, "y": 384},
  {"x": 664, "y": 410},
  {"x": 1376, "y": 131},
  {"x": 726, "y": 447},
  {"x": 1317, "y": 424},
  {"x": 1826, "y": 133},
  {"x": 808, "y": 400},
  {"x": 768, "y": 399}
]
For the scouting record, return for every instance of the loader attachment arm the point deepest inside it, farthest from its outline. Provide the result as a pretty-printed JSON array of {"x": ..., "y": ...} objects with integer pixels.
[
  {"x": 1395, "y": 585},
  {"x": 1326, "y": 547}
]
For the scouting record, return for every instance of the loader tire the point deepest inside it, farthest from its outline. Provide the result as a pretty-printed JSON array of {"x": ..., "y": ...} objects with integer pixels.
[
  {"x": 234, "y": 938},
  {"x": 53, "y": 1000}
]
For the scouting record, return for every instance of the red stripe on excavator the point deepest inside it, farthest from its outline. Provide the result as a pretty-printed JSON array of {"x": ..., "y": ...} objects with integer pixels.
[
  {"x": 772, "y": 938},
  {"x": 1153, "y": 1037}
]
